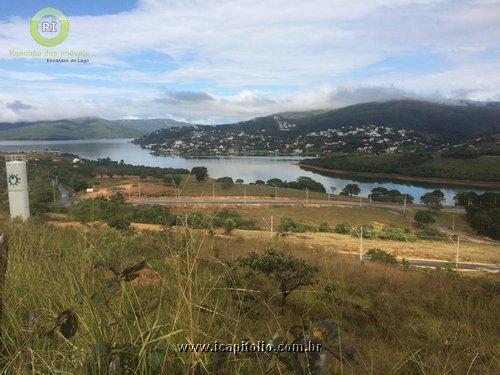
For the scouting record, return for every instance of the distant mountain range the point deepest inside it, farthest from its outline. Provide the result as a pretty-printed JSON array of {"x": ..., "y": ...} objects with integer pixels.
[
  {"x": 150, "y": 125},
  {"x": 439, "y": 121},
  {"x": 451, "y": 122},
  {"x": 82, "y": 128}
]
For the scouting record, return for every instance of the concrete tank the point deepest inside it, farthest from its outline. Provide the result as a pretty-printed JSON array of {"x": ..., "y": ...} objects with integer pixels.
[{"x": 17, "y": 186}]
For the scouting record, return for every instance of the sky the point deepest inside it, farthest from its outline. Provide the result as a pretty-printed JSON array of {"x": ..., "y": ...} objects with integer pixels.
[{"x": 220, "y": 61}]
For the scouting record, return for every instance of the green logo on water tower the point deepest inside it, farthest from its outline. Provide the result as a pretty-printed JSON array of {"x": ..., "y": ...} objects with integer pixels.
[
  {"x": 14, "y": 180},
  {"x": 49, "y": 27}
]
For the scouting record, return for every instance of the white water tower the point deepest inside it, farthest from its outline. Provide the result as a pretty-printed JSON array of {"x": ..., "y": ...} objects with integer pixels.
[{"x": 17, "y": 186}]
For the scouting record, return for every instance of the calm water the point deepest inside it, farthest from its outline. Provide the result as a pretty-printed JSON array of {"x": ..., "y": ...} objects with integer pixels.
[{"x": 247, "y": 168}]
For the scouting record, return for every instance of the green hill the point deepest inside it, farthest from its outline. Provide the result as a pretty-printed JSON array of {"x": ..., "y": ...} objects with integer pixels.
[
  {"x": 83, "y": 128},
  {"x": 80, "y": 128},
  {"x": 451, "y": 122}
]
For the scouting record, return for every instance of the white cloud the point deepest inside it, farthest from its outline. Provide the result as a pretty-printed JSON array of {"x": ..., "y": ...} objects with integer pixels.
[{"x": 319, "y": 50}]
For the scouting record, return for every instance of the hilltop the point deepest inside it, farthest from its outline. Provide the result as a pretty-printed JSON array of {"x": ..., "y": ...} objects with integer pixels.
[
  {"x": 434, "y": 119},
  {"x": 82, "y": 128}
]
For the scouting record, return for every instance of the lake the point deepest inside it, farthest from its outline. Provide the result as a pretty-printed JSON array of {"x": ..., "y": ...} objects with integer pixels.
[{"x": 246, "y": 167}]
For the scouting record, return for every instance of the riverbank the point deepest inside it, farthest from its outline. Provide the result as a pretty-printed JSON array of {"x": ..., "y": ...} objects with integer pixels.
[{"x": 399, "y": 177}]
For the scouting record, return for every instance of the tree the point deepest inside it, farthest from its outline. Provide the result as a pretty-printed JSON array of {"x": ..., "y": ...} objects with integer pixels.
[
  {"x": 78, "y": 183},
  {"x": 288, "y": 271},
  {"x": 333, "y": 189},
  {"x": 306, "y": 183},
  {"x": 423, "y": 218},
  {"x": 260, "y": 183},
  {"x": 275, "y": 182},
  {"x": 483, "y": 214},
  {"x": 433, "y": 199},
  {"x": 227, "y": 182},
  {"x": 351, "y": 190},
  {"x": 466, "y": 198},
  {"x": 239, "y": 181},
  {"x": 170, "y": 179},
  {"x": 201, "y": 173},
  {"x": 41, "y": 195}
]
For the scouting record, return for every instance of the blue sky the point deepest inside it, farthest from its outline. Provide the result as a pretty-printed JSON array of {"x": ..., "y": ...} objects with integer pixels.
[{"x": 214, "y": 61}]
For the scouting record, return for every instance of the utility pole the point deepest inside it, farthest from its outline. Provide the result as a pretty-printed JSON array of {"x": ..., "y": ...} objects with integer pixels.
[
  {"x": 54, "y": 191},
  {"x": 404, "y": 206},
  {"x": 272, "y": 226},
  {"x": 361, "y": 244},
  {"x": 370, "y": 197},
  {"x": 458, "y": 250},
  {"x": 307, "y": 196},
  {"x": 245, "y": 195},
  {"x": 453, "y": 223}
]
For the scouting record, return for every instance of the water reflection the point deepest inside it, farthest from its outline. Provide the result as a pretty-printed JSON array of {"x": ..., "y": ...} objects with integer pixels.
[{"x": 247, "y": 168}]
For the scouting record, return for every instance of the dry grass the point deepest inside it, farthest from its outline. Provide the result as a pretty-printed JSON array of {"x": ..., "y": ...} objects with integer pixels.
[
  {"x": 154, "y": 187},
  {"x": 398, "y": 321},
  {"x": 313, "y": 216}
]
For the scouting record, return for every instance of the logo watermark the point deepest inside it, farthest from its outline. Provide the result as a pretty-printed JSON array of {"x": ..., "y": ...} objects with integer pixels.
[{"x": 49, "y": 27}]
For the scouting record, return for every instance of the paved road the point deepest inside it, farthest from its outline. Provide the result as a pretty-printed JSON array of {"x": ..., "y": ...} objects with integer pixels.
[
  {"x": 462, "y": 266},
  {"x": 275, "y": 201}
]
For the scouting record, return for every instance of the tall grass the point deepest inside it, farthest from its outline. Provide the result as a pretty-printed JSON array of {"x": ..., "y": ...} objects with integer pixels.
[{"x": 398, "y": 321}]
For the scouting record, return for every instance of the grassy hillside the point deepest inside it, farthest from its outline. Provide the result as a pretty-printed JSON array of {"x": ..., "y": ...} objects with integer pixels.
[
  {"x": 81, "y": 128},
  {"x": 382, "y": 318},
  {"x": 482, "y": 168}
]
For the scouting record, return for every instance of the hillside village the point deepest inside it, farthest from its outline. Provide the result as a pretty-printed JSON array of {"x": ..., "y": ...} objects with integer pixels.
[{"x": 207, "y": 140}]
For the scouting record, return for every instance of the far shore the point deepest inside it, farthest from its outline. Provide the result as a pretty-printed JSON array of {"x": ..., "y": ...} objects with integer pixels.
[{"x": 400, "y": 177}]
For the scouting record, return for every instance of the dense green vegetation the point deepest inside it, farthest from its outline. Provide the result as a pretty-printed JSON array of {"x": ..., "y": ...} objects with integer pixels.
[
  {"x": 483, "y": 168},
  {"x": 382, "y": 194},
  {"x": 302, "y": 183},
  {"x": 483, "y": 211}
]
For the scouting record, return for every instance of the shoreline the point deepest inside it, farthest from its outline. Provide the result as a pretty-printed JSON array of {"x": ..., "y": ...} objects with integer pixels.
[{"x": 400, "y": 177}]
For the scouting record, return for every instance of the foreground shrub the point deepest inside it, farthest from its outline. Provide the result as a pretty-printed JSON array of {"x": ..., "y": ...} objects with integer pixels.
[
  {"x": 395, "y": 233},
  {"x": 287, "y": 271},
  {"x": 289, "y": 225},
  {"x": 324, "y": 227},
  {"x": 342, "y": 228},
  {"x": 118, "y": 222},
  {"x": 431, "y": 233}
]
